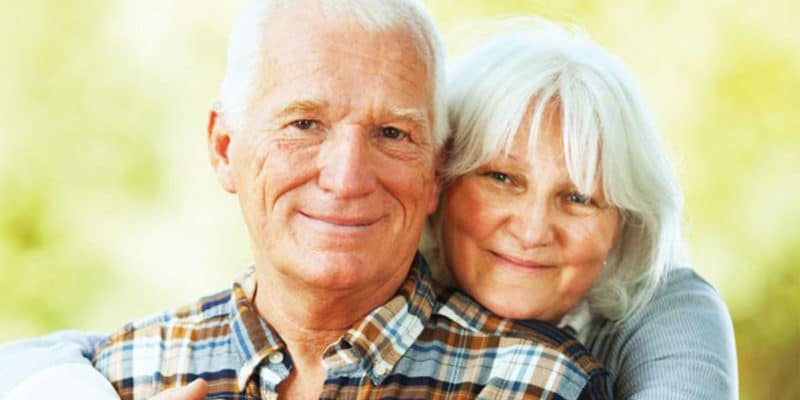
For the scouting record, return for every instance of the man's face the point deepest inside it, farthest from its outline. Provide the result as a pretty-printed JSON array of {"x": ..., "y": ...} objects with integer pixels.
[{"x": 334, "y": 167}]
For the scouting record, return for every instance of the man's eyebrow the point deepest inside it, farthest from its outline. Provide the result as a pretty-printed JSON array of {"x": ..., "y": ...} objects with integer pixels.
[
  {"x": 300, "y": 106},
  {"x": 414, "y": 115}
]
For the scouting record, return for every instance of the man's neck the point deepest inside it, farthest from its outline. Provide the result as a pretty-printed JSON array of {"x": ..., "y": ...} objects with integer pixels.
[{"x": 309, "y": 320}]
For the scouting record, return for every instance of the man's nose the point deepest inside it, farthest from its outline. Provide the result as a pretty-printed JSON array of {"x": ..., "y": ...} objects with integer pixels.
[
  {"x": 345, "y": 163},
  {"x": 532, "y": 224}
]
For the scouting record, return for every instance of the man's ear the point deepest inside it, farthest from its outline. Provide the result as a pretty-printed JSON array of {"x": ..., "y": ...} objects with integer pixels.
[{"x": 219, "y": 140}]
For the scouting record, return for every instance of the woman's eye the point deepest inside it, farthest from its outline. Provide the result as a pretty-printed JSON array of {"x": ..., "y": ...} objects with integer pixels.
[
  {"x": 391, "y": 132},
  {"x": 304, "y": 124},
  {"x": 499, "y": 176},
  {"x": 578, "y": 198}
]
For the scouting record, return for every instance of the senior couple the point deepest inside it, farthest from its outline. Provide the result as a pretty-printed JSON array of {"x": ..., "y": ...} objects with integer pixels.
[{"x": 552, "y": 214}]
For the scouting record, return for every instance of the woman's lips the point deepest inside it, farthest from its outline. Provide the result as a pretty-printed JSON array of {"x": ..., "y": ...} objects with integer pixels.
[{"x": 517, "y": 262}]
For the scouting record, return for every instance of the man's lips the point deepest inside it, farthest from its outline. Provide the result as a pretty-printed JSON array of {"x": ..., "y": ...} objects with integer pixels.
[
  {"x": 518, "y": 262},
  {"x": 342, "y": 221}
]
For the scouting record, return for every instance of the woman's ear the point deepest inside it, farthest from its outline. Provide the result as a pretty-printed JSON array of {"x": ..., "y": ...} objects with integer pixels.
[
  {"x": 219, "y": 140},
  {"x": 438, "y": 163}
]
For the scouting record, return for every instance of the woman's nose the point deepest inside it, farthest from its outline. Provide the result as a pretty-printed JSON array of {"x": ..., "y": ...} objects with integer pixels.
[{"x": 531, "y": 224}]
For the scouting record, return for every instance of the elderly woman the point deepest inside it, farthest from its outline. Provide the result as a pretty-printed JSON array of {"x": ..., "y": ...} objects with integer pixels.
[{"x": 559, "y": 204}]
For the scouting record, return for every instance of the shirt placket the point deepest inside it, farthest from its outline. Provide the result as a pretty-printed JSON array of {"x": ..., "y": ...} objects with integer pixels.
[
  {"x": 274, "y": 369},
  {"x": 346, "y": 377}
]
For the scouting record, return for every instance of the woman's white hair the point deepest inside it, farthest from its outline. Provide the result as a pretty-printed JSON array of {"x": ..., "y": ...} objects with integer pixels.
[
  {"x": 607, "y": 129},
  {"x": 247, "y": 48}
]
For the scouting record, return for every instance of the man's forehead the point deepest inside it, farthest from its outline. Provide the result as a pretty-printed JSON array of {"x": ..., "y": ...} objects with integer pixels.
[
  {"x": 341, "y": 44},
  {"x": 307, "y": 29},
  {"x": 314, "y": 70}
]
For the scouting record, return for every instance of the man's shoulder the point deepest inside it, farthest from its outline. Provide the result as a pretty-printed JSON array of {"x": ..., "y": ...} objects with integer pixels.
[
  {"x": 154, "y": 353},
  {"x": 163, "y": 329}
]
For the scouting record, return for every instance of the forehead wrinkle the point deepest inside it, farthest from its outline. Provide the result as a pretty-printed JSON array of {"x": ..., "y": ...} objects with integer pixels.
[
  {"x": 303, "y": 105},
  {"x": 397, "y": 47}
]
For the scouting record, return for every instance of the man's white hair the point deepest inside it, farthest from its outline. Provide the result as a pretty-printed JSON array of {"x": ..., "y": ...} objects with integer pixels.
[
  {"x": 605, "y": 124},
  {"x": 245, "y": 73}
]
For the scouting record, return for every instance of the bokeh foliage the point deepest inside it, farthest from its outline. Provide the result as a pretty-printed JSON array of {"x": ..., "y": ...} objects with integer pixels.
[{"x": 108, "y": 209}]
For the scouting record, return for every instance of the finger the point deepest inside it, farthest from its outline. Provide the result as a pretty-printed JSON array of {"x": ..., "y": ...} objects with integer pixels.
[
  {"x": 196, "y": 390},
  {"x": 193, "y": 391}
]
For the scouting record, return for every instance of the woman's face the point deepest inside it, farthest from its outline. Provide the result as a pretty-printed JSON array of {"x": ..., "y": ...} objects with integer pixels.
[{"x": 520, "y": 238}]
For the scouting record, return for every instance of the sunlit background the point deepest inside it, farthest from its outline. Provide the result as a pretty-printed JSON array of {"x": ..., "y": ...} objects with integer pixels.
[{"x": 109, "y": 210}]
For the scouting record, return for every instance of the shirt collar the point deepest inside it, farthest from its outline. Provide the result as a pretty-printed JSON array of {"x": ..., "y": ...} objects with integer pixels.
[
  {"x": 379, "y": 340},
  {"x": 472, "y": 315},
  {"x": 375, "y": 344},
  {"x": 577, "y": 320},
  {"x": 467, "y": 313},
  {"x": 253, "y": 338}
]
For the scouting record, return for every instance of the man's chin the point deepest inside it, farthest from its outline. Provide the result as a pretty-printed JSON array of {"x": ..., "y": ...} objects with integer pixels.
[
  {"x": 336, "y": 269},
  {"x": 347, "y": 271}
]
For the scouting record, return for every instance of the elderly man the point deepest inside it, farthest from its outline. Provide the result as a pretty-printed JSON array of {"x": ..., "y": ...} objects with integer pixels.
[{"x": 329, "y": 122}]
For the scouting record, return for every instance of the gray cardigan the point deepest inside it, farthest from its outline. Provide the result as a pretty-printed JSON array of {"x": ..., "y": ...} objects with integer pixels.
[{"x": 680, "y": 347}]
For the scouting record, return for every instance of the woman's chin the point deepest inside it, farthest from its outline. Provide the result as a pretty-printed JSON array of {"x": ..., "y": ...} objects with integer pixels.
[{"x": 514, "y": 308}]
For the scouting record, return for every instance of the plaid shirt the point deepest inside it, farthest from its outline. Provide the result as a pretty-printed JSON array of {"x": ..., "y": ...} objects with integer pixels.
[{"x": 412, "y": 347}]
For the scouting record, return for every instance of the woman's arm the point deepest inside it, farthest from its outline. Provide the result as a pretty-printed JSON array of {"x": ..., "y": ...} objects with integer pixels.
[
  {"x": 680, "y": 347},
  {"x": 54, "y": 366}
]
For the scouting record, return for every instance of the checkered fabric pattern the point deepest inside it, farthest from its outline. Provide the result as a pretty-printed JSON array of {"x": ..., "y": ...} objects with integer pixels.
[{"x": 413, "y": 347}]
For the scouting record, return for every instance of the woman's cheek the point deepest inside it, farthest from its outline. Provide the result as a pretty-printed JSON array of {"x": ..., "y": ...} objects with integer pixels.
[{"x": 589, "y": 243}]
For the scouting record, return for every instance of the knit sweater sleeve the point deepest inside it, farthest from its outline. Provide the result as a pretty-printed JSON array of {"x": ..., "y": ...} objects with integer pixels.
[
  {"x": 54, "y": 366},
  {"x": 680, "y": 347}
]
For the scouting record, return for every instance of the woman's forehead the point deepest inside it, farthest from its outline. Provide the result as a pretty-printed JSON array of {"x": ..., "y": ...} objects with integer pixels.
[{"x": 542, "y": 142}]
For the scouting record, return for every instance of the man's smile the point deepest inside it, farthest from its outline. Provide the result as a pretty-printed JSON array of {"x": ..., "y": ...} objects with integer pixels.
[{"x": 346, "y": 223}]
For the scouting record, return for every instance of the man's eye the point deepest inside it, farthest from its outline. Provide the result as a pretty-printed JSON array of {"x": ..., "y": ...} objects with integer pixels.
[
  {"x": 304, "y": 124},
  {"x": 579, "y": 198},
  {"x": 391, "y": 132}
]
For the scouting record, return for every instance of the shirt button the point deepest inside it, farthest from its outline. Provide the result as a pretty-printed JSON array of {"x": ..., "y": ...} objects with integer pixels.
[
  {"x": 381, "y": 369},
  {"x": 276, "y": 358}
]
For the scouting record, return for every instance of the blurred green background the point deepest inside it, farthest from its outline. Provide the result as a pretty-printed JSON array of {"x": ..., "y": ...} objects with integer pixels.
[{"x": 109, "y": 210}]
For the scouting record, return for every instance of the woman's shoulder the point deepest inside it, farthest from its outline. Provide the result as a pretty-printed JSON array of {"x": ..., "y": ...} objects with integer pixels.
[
  {"x": 685, "y": 280},
  {"x": 685, "y": 305},
  {"x": 681, "y": 340},
  {"x": 682, "y": 298},
  {"x": 682, "y": 292}
]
